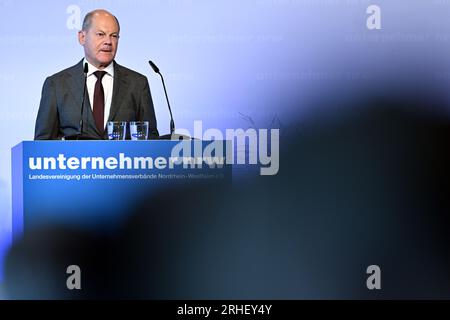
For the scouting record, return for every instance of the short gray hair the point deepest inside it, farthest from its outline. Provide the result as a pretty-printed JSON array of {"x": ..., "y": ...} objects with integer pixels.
[{"x": 87, "y": 21}]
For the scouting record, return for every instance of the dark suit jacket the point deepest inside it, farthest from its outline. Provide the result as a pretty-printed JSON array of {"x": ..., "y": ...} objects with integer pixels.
[{"x": 61, "y": 100}]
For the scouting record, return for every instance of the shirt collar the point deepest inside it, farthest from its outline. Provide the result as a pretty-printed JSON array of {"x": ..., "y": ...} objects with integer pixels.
[{"x": 109, "y": 69}]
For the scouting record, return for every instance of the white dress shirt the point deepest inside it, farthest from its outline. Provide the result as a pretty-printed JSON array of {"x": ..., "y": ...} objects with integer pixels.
[{"x": 107, "y": 82}]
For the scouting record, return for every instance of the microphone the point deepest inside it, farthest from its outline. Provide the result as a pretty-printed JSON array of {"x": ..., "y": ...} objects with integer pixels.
[
  {"x": 79, "y": 134},
  {"x": 85, "y": 71},
  {"x": 172, "y": 124}
]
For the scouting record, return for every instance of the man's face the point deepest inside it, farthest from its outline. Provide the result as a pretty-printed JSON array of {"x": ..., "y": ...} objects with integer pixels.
[{"x": 100, "y": 40}]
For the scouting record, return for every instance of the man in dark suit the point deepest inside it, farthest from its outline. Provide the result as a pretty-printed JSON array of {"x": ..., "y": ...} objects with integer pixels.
[{"x": 113, "y": 92}]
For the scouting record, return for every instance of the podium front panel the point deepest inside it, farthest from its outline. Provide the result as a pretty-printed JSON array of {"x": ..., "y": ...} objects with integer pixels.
[{"x": 95, "y": 184}]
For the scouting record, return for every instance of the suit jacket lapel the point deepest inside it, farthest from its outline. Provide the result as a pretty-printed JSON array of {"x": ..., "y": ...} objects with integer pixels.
[
  {"x": 75, "y": 83},
  {"x": 119, "y": 89}
]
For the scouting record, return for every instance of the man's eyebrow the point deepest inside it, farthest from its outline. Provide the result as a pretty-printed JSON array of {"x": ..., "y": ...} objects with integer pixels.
[{"x": 112, "y": 33}]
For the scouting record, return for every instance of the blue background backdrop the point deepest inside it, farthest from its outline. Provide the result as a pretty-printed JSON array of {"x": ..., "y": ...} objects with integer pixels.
[{"x": 231, "y": 64}]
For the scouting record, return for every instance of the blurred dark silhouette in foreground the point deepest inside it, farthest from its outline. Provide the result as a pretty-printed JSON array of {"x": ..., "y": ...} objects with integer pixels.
[{"x": 369, "y": 186}]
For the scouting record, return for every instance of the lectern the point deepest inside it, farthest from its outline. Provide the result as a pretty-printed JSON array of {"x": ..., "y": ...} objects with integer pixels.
[{"x": 93, "y": 184}]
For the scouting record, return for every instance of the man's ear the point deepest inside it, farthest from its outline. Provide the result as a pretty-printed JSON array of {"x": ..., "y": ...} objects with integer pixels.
[{"x": 81, "y": 37}]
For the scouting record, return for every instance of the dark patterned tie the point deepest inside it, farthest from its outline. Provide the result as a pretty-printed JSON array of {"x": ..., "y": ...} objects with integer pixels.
[{"x": 99, "y": 102}]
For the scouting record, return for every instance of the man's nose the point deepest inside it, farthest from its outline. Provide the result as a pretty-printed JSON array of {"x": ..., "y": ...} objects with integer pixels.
[{"x": 108, "y": 40}]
